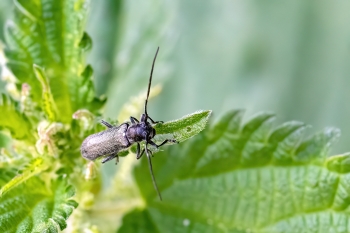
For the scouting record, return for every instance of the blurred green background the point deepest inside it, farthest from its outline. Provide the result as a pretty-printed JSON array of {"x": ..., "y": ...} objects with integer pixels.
[{"x": 287, "y": 57}]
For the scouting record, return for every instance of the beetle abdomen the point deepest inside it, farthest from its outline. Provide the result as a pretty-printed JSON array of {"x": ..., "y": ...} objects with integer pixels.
[{"x": 107, "y": 142}]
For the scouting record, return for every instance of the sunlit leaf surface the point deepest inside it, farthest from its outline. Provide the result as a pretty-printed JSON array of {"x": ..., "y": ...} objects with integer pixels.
[{"x": 186, "y": 127}]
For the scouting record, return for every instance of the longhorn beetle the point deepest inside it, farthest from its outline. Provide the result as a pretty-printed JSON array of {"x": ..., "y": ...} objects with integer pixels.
[{"x": 117, "y": 138}]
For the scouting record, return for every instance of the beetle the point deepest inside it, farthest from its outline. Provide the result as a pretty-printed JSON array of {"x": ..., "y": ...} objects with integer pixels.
[{"x": 115, "y": 139}]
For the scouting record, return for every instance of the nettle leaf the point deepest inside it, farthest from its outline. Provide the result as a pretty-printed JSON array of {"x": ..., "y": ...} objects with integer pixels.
[
  {"x": 32, "y": 207},
  {"x": 184, "y": 128},
  {"x": 12, "y": 119},
  {"x": 33, "y": 168},
  {"x": 247, "y": 177},
  {"x": 49, "y": 33},
  {"x": 48, "y": 103}
]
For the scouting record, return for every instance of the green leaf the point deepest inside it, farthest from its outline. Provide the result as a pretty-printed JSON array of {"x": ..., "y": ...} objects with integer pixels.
[
  {"x": 32, "y": 207},
  {"x": 48, "y": 104},
  {"x": 4, "y": 140},
  {"x": 35, "y": 167},
  {"x": 138, "y": 221},
  {"x": 339, "y": 163},
  {"x": 184, "y": 128},
  {"x": 49, "y": 33},
  {"x": 247, "y": 178},
  {"x": 12, "y": 119}
]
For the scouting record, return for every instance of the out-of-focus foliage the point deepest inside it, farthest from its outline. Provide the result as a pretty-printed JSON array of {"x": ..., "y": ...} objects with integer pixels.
[
  {"x": 126, "y": 65},
  {"x": 5, "y": 11},
  {"x": 286, "y": 57}
]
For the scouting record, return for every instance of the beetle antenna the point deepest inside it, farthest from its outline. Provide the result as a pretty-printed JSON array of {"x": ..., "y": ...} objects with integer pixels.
[
  {"x": 152, "y": 175},
  {"x": 149, "y": 83}
]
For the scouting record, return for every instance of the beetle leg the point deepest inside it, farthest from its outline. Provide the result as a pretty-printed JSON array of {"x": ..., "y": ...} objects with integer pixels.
[
  {"x": 106, "y": 124},
  {"x": 110, "y": 158},
  {"x": 117, "y": 160},
  {"x": 138, "y": 156},
  {"x": 138, "y": 151},
  {"x": 134, "y": 120},
  {"x": 150, "y": 152},
  {"x": 165, "y": 141}
]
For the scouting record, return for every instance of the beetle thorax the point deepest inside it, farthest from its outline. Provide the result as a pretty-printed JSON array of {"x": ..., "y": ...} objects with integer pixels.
[{"x": 139, "y": 132}]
